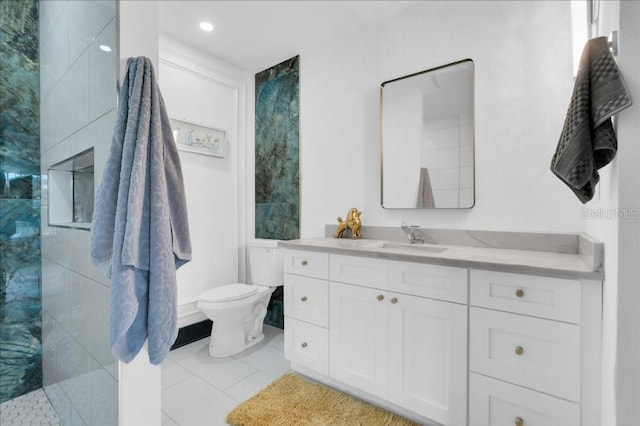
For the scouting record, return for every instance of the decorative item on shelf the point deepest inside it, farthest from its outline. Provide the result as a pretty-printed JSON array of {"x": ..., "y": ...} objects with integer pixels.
[
  {"x": 198, "y": 139},
  {"x": 353, "y": 223}
]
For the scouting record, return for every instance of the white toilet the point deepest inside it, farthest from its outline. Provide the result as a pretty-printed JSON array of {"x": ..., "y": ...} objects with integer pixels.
[{"x": 237, "y": 310}]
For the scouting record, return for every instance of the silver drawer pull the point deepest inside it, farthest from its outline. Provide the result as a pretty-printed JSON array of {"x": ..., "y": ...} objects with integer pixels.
[
  {"x": 519, "y": 350},
  {"x": 519, "y": 421},
  {"x": 303, "y": 298},
  {"x": 520, "y": 292},
  {"x": 380, "y": 297},
  {"x": 304, "y": 344},
  {"x": 304, "y": 263},
  {"x": 394, "y": 300}
]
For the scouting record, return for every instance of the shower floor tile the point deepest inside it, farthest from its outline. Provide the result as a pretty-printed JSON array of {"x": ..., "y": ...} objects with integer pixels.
[
  {"x": 200, "y": 390},
  {"x": 30, "y": 409}
]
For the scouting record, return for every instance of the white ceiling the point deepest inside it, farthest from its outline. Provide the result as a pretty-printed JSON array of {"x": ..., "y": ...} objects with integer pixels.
[{"x": 255, "y": 35}]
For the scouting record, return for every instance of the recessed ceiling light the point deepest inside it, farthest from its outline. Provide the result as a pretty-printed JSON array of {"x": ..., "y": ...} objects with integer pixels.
[
  {"x": 206, "y": 26},
  {"x": 105, "y": 48}
]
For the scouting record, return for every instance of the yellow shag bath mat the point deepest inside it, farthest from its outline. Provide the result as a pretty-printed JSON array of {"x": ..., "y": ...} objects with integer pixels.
[{"x": 293, "y": 401}]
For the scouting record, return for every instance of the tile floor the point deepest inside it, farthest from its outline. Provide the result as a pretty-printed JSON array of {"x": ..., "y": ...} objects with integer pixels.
[
  {"x": 200, "y": 390},
  {"x": 196, "y": 389},
  {"x": 30, "y": 409}
]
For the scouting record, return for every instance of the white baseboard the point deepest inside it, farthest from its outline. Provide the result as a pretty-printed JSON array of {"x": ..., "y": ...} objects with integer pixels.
[{"x": 188, "y": 313}]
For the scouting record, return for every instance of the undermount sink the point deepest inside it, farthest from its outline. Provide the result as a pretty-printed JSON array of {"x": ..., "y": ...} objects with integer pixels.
[{"x": 418, "y": 248}]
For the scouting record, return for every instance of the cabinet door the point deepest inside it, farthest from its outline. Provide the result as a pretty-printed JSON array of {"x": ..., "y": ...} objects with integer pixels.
[
  {"x": 358, "y": 340},
  {"x": 428, "y": 357}
]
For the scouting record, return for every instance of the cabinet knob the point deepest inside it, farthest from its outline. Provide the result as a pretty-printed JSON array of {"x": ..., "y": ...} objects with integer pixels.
[
  {"x": 380, "y": 297},
  {"x": 394, "y": 300},
  {"x": 303, "y": 344},
  {"x": 303, "y": 298},
  {"x": 519, "y": 350},
  {"x": 304, "y": 263},
  {"x": 519, "y": 421},
  {"x": 520, "y": 292}
]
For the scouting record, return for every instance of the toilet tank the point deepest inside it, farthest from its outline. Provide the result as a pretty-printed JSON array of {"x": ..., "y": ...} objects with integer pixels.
[{"x": 265, "y": 263}]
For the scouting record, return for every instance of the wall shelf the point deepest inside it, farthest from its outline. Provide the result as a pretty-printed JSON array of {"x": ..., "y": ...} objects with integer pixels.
[{"x": 71, "y": 191}]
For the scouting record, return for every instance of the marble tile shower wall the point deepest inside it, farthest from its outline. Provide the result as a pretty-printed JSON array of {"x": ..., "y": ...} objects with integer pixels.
[
  {"x": 277, "y": 151},
  {"x": 20, "y": 301},
  {"x": 78, "y": 56}
]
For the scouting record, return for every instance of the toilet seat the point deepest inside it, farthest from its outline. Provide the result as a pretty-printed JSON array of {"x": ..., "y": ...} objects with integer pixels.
[{"x": 229, "y": 292}]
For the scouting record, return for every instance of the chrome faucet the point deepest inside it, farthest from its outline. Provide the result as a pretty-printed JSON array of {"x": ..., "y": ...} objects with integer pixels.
[{"x": 414, "y": 233}]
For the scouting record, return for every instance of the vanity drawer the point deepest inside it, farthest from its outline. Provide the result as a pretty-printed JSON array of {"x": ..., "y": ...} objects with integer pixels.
[
  {"x": 306, "y": 299},
  {"x": 541, "y": 354},
  {"x": 496, "y": 403},
  {"x": 552, "y": 298},
  {"x": 307, "y": 263},
  {"x": 437, "y": 282},
  {"x": 365, "y": 271},
  {"x": 307, "y": 345}
]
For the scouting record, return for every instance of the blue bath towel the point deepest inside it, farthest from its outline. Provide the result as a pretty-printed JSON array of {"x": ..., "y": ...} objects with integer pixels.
[{"x": 140, "y": 232}]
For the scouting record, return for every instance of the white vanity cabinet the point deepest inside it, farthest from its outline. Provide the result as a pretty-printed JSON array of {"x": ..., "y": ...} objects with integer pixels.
[
  {"x": 394, "y": 332},
  {"x": 534, "y": 350},
  {"x": 428, "y": 357},
  {"x": 447, "y": 345},
  {"x": 306, "y": 299},
  {"x": 359, "y": 337},
  {"x": 386, "y": 340},
  {"x": 407, "y": 349}
]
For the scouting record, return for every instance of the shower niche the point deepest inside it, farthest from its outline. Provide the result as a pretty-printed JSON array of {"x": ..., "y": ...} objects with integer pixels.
[{"x": 71, "y": 191}]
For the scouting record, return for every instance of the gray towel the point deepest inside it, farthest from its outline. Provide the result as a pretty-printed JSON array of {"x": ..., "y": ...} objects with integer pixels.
[
  {"x": 140, "y": 232},
  {"x": 588, "y": 142},
  {"x": 425, "y": 192}
]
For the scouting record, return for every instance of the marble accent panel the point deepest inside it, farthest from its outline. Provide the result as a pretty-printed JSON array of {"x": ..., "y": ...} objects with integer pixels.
[
  {"x": 20, "y": 277},
  {"x": 277, "y": 152},
  {"x": 275, "y": 310}
]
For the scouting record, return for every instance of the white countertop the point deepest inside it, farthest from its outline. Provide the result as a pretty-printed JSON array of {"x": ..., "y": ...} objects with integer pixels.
[{"x": 563, "y": 265}]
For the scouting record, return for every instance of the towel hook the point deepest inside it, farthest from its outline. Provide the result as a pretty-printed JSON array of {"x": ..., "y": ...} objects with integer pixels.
[{"x": 613, "y": 42}]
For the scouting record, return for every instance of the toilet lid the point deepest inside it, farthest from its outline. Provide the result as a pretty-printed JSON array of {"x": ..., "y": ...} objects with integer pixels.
[{"x": 229, "y": 292}]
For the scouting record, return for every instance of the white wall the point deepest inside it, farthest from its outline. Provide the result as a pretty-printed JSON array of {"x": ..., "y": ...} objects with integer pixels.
[
  {"x": 139, "y": 382},
  {"x": 523, "y": 66},
  {"x": 620, "y": 193},
  {"x": 200, "y": 89},
  {"x": 628, "y": 361}
]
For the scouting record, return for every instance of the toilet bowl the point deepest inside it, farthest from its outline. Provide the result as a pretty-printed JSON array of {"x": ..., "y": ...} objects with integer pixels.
[{"x": 238, "y": 310}]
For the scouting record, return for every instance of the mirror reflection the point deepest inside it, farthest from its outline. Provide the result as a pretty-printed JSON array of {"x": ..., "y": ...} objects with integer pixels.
[{"x": 427, "y": 138}]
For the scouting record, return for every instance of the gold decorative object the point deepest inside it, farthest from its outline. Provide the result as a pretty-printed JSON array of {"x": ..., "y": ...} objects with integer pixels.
[{"x": 353, "y": 223}]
